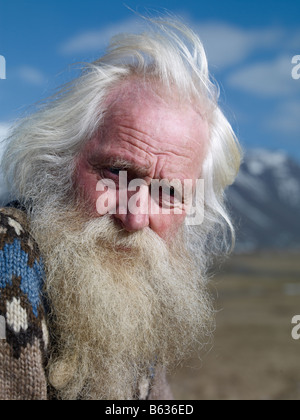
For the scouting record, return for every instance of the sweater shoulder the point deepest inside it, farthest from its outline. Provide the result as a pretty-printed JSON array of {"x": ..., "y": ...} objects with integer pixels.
[
  {"x": 24, "y": 334},
  {"x": 21, "y": 280},
  {"x": 13, "y": 225},
  {"x": 15, "y": 234}
]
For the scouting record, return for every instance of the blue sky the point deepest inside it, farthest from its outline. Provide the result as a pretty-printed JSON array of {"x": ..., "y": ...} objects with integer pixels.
[{"x": 250, "y": 45}]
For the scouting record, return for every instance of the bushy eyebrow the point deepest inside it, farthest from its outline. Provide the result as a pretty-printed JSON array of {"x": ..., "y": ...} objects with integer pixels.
[
  {"x": 135, "y": 171},
  {"x": 122, "y": 165}
]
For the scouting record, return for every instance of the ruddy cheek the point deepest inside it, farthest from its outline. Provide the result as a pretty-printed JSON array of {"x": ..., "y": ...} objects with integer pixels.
[
  {"x": 165, "y": 225},
  {"x": 85, "y": 184}
]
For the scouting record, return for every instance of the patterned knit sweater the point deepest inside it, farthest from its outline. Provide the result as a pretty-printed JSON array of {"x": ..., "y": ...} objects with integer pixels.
[
  {"x": 24, "y": 335},
  {"x": 23, "y": 331}
]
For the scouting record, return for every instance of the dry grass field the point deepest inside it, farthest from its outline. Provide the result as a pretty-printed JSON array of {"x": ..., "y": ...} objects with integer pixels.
[{"x": 253, "y": 355}]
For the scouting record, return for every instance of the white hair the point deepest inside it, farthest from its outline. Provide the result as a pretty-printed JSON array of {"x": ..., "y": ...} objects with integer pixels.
[{"x": 41, "y": 150}]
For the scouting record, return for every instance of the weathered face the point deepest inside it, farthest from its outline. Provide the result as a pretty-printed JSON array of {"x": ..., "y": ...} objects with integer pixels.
[{"x": 151, "y": 140}]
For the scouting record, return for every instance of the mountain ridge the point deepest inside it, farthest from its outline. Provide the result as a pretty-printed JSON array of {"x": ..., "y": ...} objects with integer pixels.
[{"x": 265, "y": 202}]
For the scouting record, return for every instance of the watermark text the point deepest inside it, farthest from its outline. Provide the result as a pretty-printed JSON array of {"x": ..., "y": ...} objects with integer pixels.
[
  {"x": 2, "y": 328},
  {"x": 296, "y": 68},
  {"x": 296, "y": 328},
  {"x": 159, "y": 197},
  {"x": 2, "y": 67}
]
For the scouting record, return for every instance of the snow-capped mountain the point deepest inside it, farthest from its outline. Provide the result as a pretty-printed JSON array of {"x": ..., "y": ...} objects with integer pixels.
[{"x": 265, "y": 202}]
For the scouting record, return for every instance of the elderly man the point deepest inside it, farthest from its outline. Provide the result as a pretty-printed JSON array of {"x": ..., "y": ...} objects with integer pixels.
[{"x": 103, "y": 282}]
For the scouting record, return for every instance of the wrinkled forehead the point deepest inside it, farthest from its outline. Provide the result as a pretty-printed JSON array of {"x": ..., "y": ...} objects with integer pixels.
[
  {"x": 150, "y": 130},
  {"x": 152, "y": 92},
  {"x": 155, "y": 128},
  {"x": 153, "y": 108}
]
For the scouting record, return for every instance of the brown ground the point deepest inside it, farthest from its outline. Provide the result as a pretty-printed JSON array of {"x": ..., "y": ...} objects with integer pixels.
[{"x": 253, "y": 355}]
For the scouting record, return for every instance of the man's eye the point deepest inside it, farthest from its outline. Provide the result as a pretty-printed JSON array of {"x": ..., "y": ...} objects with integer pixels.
[
  {"x": 170, "y": 196},
  {"x": 171, "y": 193},
  {"x": 114, "y": 171}
]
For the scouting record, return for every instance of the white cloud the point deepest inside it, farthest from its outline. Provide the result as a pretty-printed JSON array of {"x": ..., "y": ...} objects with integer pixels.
[
  {"x": 227, "y": 45},
  {"x": 285, "y": 119},
  {"x": 293, "y": 41},
  {"x": 95, "y": 40},
  {"x": 4, "y": 127},
  {"x": 268, "y": 78},
  {"x": 31, "y": 75}
]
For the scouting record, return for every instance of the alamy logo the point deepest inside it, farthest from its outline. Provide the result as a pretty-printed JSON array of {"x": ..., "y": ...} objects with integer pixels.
[
  {"x": 2, "y": 328},
  {"x": 296, "y": 68},
  {"x": 2, "y": 67},
  {"x": 296, "y": 329},
  {"x": 166, "y": 197}
]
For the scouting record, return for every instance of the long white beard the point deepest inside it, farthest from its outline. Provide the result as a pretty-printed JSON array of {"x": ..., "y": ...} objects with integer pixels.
[{"x": 120, "y": 303}]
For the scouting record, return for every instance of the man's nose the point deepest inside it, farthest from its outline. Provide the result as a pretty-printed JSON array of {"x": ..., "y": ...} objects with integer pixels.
[
  {"x": 136, "y": 214},
  {"x": 133, "y": 222}
]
